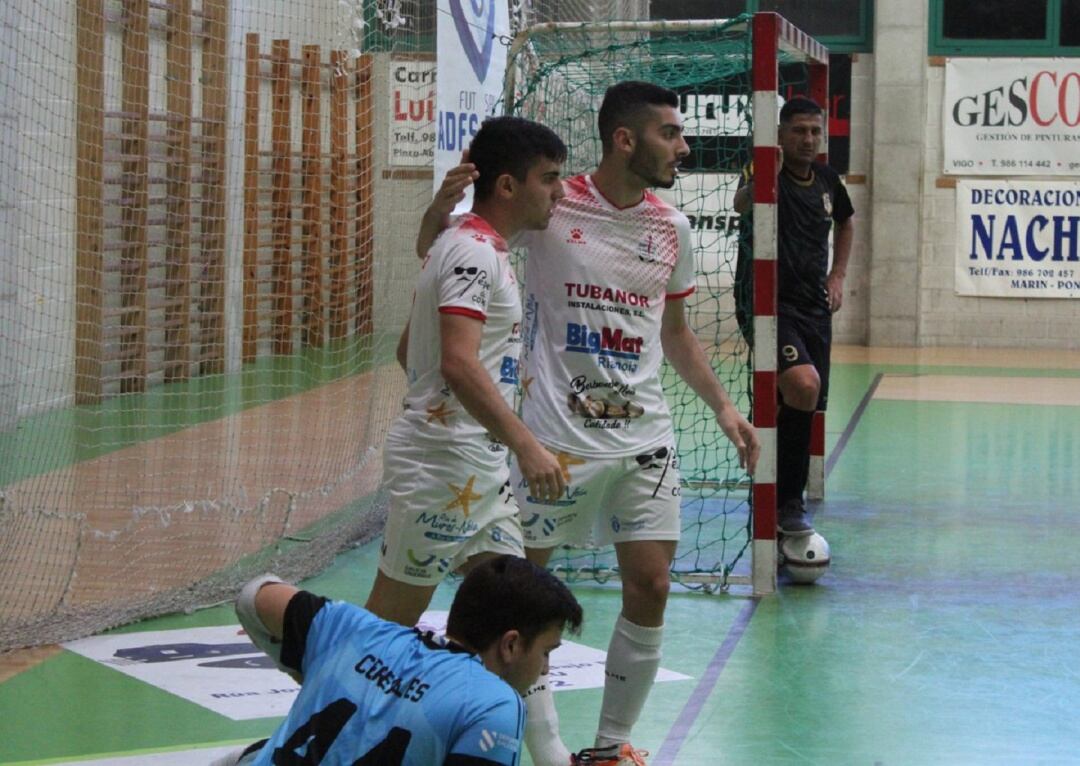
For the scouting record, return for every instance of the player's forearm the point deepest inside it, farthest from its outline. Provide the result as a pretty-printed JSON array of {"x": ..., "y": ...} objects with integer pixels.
[
  {"x": 431, "y": 225},
  {"x": 473, "y": 387},
  {"x": 687, "y": 357},
  {"x": 843, "y": 236}
]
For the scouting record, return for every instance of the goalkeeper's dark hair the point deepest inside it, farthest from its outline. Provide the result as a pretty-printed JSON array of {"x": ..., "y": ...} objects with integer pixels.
[
  {"x": 626, "y": 104},
  {"x": 796, "y": 106},
  {"x": 510, "y": 145},
  {"x": 510, "y": 593}
]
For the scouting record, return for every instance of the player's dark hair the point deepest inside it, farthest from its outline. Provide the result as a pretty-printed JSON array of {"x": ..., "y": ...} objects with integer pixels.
[
  {"x": 625, "y": 105},
  {"x": 796, "y": 106},
  {"x": 510, "y": 593},
  {"x": 510, "y": 145}
]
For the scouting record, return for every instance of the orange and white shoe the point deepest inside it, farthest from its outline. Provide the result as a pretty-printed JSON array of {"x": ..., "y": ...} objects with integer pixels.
[{"x": 614, "y": 755}]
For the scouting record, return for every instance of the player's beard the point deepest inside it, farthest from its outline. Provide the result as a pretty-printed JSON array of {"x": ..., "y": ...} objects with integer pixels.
[{"x": 648, "y": 168}]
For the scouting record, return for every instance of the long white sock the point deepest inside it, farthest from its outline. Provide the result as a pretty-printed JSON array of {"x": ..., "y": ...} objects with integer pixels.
[
  {"x": 632, "y": 661},
  {"x": 542, "y": 726}
]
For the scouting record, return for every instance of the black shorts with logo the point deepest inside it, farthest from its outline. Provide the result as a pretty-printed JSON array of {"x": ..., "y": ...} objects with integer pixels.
[{"x": 802, "y": 339}]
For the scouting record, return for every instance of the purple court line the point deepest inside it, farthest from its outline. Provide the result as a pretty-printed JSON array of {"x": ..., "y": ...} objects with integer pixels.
[
  {"x": 852, "y": 422},
  {"x": 681, "y": 728}
]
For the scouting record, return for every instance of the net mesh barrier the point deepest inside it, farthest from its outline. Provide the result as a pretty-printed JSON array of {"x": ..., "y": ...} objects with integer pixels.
[
  {"x": 207, "y": 217},
  {"x": 206, "y": 259},
  {"x": 560, "y": 75}
]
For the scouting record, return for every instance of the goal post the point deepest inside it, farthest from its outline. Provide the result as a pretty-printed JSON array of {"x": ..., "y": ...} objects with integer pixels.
[{"x": 730, "y": 75}]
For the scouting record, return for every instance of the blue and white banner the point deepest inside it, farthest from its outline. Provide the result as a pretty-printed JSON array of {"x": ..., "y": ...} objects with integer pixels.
[
  {"x": 1012, "y": 117},
  {"x": 1018, "y": 239},
  {"x": 472, "y": 62}
]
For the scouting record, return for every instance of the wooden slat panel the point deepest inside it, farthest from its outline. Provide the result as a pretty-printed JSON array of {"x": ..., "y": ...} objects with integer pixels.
[
  {"x": 310, "y": 140},
  {"x": 365, "y": 239},
  {"x": 135, "y": 98},
  {"x": 89, "y": 206},
  {"x": 249, "y": 346},
  {"x": 214, "y": 106},
  {"x": 282, "y": 223},
  {"x": 339, "y": 186},
  {"x": 178, "y": 228}
]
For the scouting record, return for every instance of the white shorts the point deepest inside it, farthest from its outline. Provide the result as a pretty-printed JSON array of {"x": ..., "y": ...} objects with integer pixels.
[
  {"x": 610, "y": 500},
  {"x": 447, "y": 504}
]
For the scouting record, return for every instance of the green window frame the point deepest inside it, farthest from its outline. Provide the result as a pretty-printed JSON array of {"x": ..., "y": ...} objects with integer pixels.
[
  {"x": 1048, "y": 46},
  {"x": 859, "y": 42}
]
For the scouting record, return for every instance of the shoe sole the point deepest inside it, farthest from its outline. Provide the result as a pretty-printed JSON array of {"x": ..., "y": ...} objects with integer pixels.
[{"x": 796, "y": 532}]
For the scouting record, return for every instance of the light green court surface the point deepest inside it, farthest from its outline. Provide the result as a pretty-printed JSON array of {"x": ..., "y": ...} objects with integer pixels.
[{"x": 946, "y": 632}]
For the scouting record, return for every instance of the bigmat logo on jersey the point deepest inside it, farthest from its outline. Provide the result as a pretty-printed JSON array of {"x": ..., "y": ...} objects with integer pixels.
[
  {"x": 1012, "y": 116},
  {"x": 613, "y": 349}
]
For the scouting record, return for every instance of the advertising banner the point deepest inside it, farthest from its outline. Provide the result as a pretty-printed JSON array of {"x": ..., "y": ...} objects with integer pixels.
[
  {"x": 1018, "y": 117},
  {"x": 412, "y": 113},
  {"x": 1018, "y": 239},
  {"x": 472, "y": 54}
]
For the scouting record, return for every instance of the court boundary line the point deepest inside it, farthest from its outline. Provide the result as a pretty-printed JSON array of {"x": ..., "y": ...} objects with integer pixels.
[
  {"x": 679, "y": 730},
  {"x": 852, "y": 423}
]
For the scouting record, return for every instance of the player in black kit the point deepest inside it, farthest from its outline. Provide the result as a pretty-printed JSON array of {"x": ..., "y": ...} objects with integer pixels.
[{"x": 812, "y": 202}]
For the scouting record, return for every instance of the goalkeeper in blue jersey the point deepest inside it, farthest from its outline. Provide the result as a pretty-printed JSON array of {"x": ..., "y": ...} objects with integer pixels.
[{"x": 376, "y": 693}]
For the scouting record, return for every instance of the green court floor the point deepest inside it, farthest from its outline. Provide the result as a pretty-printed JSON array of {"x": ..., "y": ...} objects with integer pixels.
[{"x": 946, "y": 631}]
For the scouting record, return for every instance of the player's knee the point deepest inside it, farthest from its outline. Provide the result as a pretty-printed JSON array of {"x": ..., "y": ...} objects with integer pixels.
[{"x": 648, "y": 587}]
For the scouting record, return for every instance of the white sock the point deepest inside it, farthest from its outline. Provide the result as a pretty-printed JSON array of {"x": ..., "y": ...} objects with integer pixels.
[
  {"x": 632, "y": 661},
  {"x": 542, "y": 726}
]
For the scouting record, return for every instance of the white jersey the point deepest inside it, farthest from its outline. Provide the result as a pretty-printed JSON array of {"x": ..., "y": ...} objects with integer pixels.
[
  {"x": 596, "y": 281},
  {"x": 466, "y": 272}
]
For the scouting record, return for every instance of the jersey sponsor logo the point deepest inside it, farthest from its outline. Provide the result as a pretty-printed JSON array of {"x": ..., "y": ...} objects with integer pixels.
[
  {"x": 826, "y": 202},
  {"x": 581, "y": 384},
  {"x": 472, "y": 277},
  {"x": 601, "y": 409},
  {"x": 444, "y": 527},
  {"x": 489, "y": 740},
  {"x": 605, "y": 342},
  {"x": 577, "y": 237},
  {"x": 546, "y": 527},
  {"x": 508, "y": 370},
  {"x": 388, "y": 682},
  {"x": 606, "y": 294},
  {"x": 646, "y": 253},
  {"x": 418, "y": 567}
]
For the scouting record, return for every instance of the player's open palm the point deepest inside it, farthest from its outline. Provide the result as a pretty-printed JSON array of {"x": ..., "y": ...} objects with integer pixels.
[
  {"x": 743, "y": 435},
  {"x": 542, "y": 472}
]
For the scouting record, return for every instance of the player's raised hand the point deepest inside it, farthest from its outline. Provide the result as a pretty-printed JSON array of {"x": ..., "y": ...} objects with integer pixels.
[
  {"x": 453, "y": 187},
  {"x": 450, "y": 193},
  {"x": 542, "y": 472},
  {"x": 742, "y": 435}
]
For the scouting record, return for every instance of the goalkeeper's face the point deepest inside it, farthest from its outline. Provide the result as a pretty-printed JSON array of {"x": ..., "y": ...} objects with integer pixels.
[
  {"x": 538, "y": 195},
  {"x": 659, "y": 147}
]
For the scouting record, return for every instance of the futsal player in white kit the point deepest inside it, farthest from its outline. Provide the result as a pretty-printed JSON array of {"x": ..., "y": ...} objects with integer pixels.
[
  {"x": 605, "y": 285},
  {"x": 445, "y": 467}
]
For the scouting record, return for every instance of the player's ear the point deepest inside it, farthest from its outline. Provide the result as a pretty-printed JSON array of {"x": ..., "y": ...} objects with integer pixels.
[
  {"x": 623, "y": 138},
  {"x": 511, "y": 645},
  {"x": 505, "y": 185}
]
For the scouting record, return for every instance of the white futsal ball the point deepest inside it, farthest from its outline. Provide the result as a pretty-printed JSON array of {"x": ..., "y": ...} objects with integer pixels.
[{"x": 805, "y": 558}]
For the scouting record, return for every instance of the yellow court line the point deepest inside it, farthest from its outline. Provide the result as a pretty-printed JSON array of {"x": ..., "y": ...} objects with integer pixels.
[
  {"x": 1007, "y": 358},
  {"x": 980, "y": 389}
]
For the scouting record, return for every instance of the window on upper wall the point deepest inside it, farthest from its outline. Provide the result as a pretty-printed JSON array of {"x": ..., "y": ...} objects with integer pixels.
[
  {"x": 1005, "y": 27},
  {"x": 843, "y": 26}
]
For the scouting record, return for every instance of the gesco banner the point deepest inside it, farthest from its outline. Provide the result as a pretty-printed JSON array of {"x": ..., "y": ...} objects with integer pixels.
[
  {"x": 472, "y": 62},
  {"x": 1018, "y": 239},
  {"x": 1007, "y": 116}
]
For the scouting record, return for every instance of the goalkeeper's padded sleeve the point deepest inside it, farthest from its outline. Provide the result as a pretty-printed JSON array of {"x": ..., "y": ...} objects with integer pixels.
[{"x": 253, "y": 625}]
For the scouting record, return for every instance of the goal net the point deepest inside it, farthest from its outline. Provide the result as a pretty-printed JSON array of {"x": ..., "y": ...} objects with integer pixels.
[
  {"x": 557, "y": 74},
  {"x": 205, "y": 256}
]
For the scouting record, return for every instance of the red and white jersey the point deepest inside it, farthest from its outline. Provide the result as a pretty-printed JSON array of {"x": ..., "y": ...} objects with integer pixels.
[
  {"x": 596, "y": 281},
  {"x": 466, "y": 272}
]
